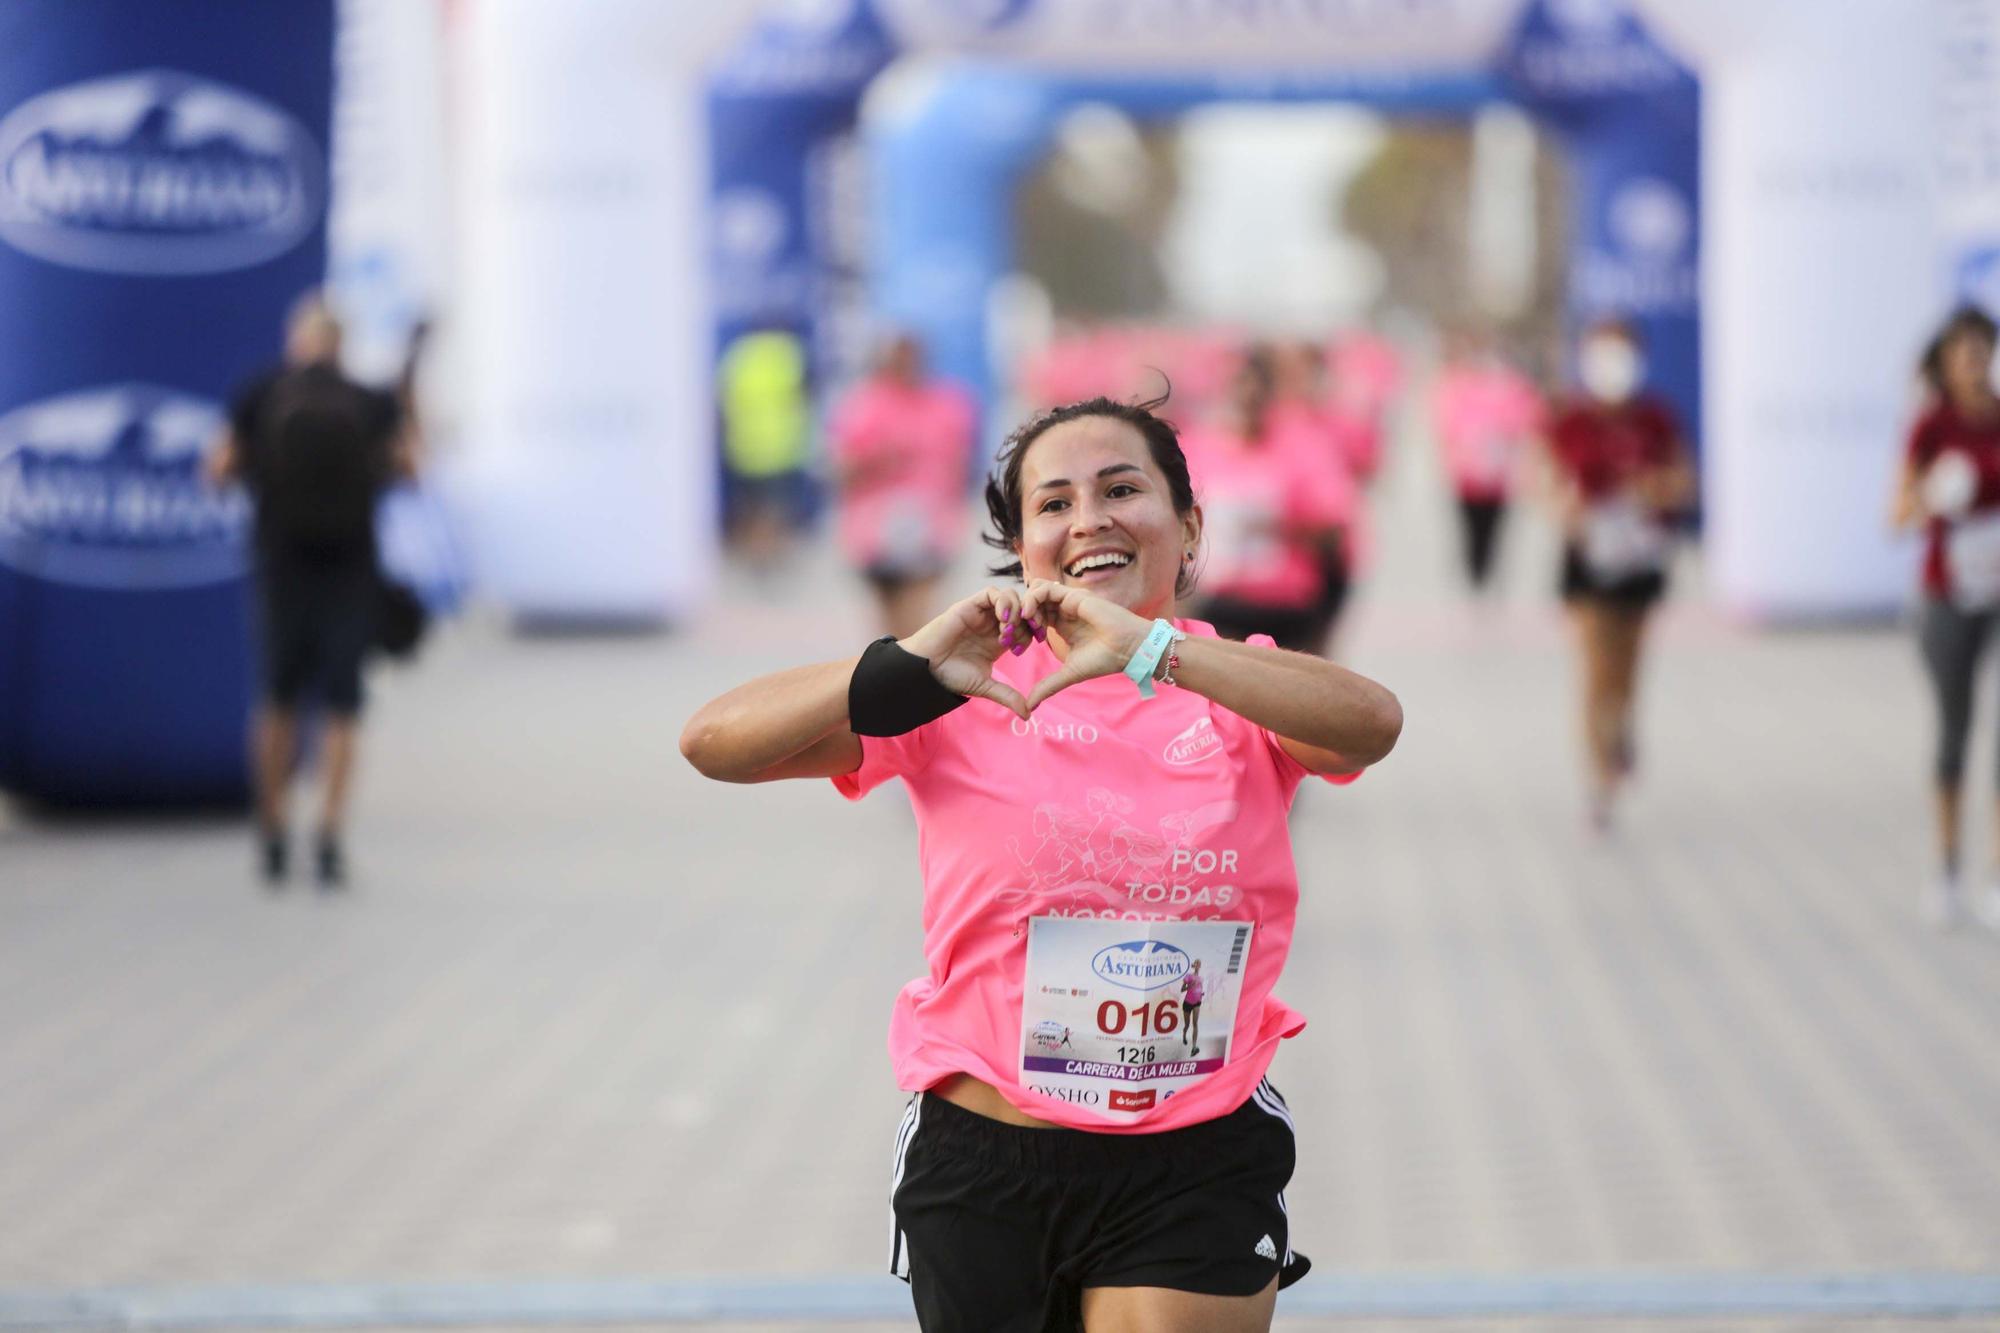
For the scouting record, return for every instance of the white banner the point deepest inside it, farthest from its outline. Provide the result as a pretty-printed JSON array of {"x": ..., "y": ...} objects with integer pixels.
[
  {"x": 1820, "y": 284},
  {"x": 583, "y": 309}
]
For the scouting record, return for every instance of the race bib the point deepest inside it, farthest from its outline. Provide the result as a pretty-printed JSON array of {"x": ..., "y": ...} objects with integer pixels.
[
  {"x": 1972, "y": 552},
  {"x": 1244, "y": 542},
  {"x": 1492, "y": 457},
  {"x": 906, "y": 533},
  {"x": 1622, "y": 539},
  {"x": 1115, "y": 1016}
]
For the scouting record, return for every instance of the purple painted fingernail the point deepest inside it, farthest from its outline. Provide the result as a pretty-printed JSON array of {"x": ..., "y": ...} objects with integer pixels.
[
  {"x": 1006, "y": 613},
  {"x": 1041, "y": 633}
]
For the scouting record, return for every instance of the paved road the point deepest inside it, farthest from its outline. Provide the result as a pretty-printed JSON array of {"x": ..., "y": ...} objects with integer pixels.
[{"x": 585, "y": 1015}]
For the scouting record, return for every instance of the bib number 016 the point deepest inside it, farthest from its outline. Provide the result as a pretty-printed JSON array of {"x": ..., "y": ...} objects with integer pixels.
[{"x": 1151, "y": 1020}]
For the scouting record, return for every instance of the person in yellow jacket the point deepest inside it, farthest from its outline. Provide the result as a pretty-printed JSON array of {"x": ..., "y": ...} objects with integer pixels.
[{"x": 766, "y": 432}]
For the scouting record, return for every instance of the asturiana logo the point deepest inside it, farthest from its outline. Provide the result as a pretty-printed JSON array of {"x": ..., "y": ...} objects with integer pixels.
[
  {"x": 104, "y": 488},
  {"x": 1141, "y": 964},
  {"x": 156, "y": 172},
  {"x": 1197, "y": 743}
]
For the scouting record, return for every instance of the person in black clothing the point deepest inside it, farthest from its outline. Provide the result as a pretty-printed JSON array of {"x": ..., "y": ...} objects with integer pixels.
[{"x": 315, "y": 450}]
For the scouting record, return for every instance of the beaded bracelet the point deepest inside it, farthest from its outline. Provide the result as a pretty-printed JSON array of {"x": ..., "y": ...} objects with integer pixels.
[{"x": 1172, "y": 661}]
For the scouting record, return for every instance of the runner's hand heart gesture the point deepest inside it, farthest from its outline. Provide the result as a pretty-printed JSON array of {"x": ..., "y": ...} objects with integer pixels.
[
  {"x": 967, "y": 638},
  {"x": 1101, "y": 635}
]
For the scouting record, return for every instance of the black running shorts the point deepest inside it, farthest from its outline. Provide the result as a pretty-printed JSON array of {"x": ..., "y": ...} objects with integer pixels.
[
  {"x": 1634, "y": 592},
  {"x": 318, "y": 619},
  {"x": 1000, "y": 1227}
]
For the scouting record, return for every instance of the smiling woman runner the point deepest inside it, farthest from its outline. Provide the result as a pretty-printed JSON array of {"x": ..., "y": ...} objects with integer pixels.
[{"x": 1085, "y": 835}]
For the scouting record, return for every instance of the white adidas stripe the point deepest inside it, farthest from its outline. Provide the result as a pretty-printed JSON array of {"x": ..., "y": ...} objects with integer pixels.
[
  {"x": 1271, "y": 1103},
  {"x": 1268, "y": 1103},
  {"x": 899, "y": 1249}
]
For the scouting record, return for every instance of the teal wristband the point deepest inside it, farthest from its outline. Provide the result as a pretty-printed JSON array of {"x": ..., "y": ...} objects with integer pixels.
[{"x": 1147, "y": 658}]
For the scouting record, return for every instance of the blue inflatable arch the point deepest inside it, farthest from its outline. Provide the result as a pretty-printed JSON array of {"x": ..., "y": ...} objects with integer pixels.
[{"x": 943, "y": 166}]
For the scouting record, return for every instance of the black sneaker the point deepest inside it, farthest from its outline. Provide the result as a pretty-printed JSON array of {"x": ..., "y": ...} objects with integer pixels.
[
  {"x": 274, "y": 858},
  {"x": 331, "y": 864}
]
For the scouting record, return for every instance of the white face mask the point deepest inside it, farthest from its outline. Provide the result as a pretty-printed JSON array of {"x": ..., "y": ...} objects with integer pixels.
[{"x": 1611, "y": 369}]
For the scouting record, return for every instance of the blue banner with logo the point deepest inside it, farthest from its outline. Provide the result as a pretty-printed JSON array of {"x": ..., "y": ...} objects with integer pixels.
[
  {"x": 1630, "y": 114},
  {"x": 785, "y": 246},
  {"x": 783, "y": 172},
  {"x": 163, "y": 189}
]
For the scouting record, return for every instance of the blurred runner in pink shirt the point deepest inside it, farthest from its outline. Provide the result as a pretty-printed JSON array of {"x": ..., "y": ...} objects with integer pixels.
[
  {"x": 1486, "y": 416},
  {"x": 1367, "y": 372},
  {"x": 901, "y": 447},
  {"x": 1303, "y": 413},
  {"x": 1278, "y": 513}
]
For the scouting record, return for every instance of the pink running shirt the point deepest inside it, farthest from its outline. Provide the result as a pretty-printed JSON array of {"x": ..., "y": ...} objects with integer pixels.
[
  {"x": 1191, "y": 988},
  {"x": 1328, "y": 441},
  {"x": 911, "y": 515},
  {"x": 1103, "y": 805},
  {"x": 1484, "y": 415},
  {"x": 1245, "y": 493},
  {"x": 1366, "y": 373}
]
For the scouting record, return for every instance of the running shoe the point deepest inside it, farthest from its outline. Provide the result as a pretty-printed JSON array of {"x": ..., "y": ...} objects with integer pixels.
[
  {"x": 1626, "y": 753},
  {"x": 273, "y": 857},
  {"x": 332, "y": 864},
  {"x": 1598, "y": 813},
  {"x": 1944, "y": 903}
]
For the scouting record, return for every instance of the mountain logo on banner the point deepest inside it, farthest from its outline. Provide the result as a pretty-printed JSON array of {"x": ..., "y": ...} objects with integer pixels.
[
  {"x": 1651, "y": 220},
  {"x": 1580, "y": 49},
  {"x": 156, "y": 172},
  {"x": 750, "y": 226},
  {"x": 103, "y": 488},
  {"x": 1648, "y": 267}
]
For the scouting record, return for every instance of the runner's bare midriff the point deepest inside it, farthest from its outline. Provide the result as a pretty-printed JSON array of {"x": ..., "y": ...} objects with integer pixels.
[{"x": 982, "y": 1098}]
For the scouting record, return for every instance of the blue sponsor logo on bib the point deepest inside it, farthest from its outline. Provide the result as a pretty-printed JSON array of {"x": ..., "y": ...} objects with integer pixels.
[
  {"x": 1140, "y": 964},
  {"x": 156, "y": 172}
]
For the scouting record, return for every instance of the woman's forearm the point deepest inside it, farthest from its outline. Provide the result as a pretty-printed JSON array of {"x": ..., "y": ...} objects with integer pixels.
[
  {"x": 767, "y": 721},
  {"x": 1302, "y": 698},
  {"x": 1671, "y": 487},
  {"x": 1906, "y": 508}
]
